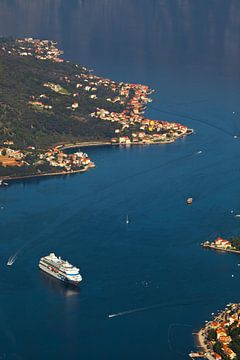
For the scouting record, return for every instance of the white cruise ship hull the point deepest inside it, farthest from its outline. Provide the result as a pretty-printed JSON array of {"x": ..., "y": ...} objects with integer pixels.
[{"x": 58, "y": 275}]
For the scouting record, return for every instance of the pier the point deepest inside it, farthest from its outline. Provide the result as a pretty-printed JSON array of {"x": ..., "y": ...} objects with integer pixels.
[
  {"x": 201, "y": 355},
  {"x": 194, "y": 355}
]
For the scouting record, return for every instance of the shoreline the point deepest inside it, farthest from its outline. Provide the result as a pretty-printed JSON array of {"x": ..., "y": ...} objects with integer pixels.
[
  {"x": 83, "y": 144},
  {"x": 108, "y": 143},
  {"x": 203, "y": 352},
  {"x": 220, "y": 249},
  {"x": 200, "y": 339},
  {"x": 221, "y": 325},
  {"x": 46, "y": 174}
]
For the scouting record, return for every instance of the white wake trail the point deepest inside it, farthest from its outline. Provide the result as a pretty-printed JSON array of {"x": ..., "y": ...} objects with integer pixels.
[
  {"x": 12, "y": 259},
  {"x": 133, "y": 311}
]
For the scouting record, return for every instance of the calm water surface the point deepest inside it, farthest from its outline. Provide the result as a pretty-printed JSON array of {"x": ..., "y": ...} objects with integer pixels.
[{"x": 189, "y": 51}]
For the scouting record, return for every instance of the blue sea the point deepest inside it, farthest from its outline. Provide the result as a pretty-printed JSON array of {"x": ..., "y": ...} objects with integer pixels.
[{"x": 152, "y": 276}]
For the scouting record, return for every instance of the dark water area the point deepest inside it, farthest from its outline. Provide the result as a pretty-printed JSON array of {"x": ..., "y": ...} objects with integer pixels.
[{"x": 152, "y": 273}]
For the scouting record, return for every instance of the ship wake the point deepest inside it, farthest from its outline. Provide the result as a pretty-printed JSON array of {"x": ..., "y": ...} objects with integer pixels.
[{"x": 12, "y": 259}]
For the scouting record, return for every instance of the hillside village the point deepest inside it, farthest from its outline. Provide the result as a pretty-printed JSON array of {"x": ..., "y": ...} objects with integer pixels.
[
  {"x": 35, "y": 162},
  {"x": 61, "y": 102}
]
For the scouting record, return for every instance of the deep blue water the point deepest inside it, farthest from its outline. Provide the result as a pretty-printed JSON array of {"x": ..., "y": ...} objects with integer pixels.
[{"x": 189, "y": 51}]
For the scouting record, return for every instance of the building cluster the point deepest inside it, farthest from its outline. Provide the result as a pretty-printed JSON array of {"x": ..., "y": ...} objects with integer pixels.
[
  {"x": 40, "y": 49},
  {"x": 222, "y": 243},
  {"x": 136, "y": 97},
  {"x": 10, "y": 157},
  {"x": 40, "y": 103},
  {"x": 223, "y": 325},
  {"x": 68, "y": 162},
  {"x": 53, "y": 157},
  {"x": 219, "y": 243},
  {"x": 132, "y": 98},
  {"x": 43, "y": 101}
]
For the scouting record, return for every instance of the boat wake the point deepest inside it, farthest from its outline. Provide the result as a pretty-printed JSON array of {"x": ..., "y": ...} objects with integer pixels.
[
  {"x": 156, "y": 306},
  {"x": 12, "y": 259},
  {"x": 129, "y": 312},
  {"x": 136, "y": 310}
]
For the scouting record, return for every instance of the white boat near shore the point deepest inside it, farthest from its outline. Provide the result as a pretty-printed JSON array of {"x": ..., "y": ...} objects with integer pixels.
[{"x": 2, "y": 183}]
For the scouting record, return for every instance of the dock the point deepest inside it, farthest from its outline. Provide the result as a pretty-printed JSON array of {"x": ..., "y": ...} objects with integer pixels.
[
  {"x": 201, "y": 355},
  {"x": 194, "y": 355}
]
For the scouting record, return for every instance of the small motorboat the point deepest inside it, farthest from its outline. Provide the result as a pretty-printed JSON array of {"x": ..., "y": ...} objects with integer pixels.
[
  {"x": 189, "y": 200},
  {"x": 2, "y": 183},
  {"x": 127, "y": 220}
]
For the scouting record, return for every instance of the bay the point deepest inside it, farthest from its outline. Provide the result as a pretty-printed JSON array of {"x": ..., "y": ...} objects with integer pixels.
[{"x": 152, "y": 274}]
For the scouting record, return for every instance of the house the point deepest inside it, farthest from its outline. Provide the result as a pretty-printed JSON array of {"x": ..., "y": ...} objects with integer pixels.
[
  {"x": 221, "y": 332},
  {"x": 229, "y": 352},
  {"x": 216, "y": 356},
  {"x": 225, "y": 340},
  {"x": 233, "y": 318},
  {"x": 8, "y": 142},
  {"x": 75, "y": 105},
  {"x": 220, "y": 242},
  {"x": 214, "y": 324}
]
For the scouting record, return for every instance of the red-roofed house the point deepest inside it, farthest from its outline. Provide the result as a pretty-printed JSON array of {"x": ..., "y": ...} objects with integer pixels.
[{"x": 222, "y": 243}]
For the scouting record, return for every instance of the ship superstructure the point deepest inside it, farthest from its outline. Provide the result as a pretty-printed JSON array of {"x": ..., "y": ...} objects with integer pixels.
[{"x": 60, "y": 269}]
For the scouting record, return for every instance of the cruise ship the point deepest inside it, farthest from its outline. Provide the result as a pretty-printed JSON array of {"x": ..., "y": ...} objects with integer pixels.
[{"x": 60, "y": 269}]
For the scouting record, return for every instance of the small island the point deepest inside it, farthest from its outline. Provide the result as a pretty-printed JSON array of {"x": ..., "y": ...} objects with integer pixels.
[
  {"x": 232, "y": 245},
  {"x": 219, "y": 339},
  {"x": 48, "y": 104}
]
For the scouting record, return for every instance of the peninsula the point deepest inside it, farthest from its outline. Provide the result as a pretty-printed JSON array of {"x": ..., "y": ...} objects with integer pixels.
[
  {"x": 232, "y": 245},
  {"x": 48, "y": 104},
  {"x": 220, "y": 337}
]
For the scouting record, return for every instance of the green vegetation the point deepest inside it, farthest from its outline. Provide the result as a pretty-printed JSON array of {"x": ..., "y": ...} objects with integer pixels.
[
  {"x": 218, "y": 349},
  {"x": 22, "y": 78},
  {"x": 57, "y": 88},
  {"x": 235, "y": 241},
  {"x": 212, "y": 335},
  {"x": 234, "y": 332}
]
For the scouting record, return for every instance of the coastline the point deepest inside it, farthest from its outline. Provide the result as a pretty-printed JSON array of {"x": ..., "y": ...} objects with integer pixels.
[
  {"x": 78, "y": 145},
  {"x": 47, "y": 174},
  {"x": 220, "y": 249},
  {"x": 82, "y": 144},
  {"x": 133, "y": 99},
  {"x": 216, "y": 337},
  {"x": 108, "y": 143},
  {"x": 203, "y": 351},
  {"x": 90, "y": 143},
  {"x": 200, "y": 339}
]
